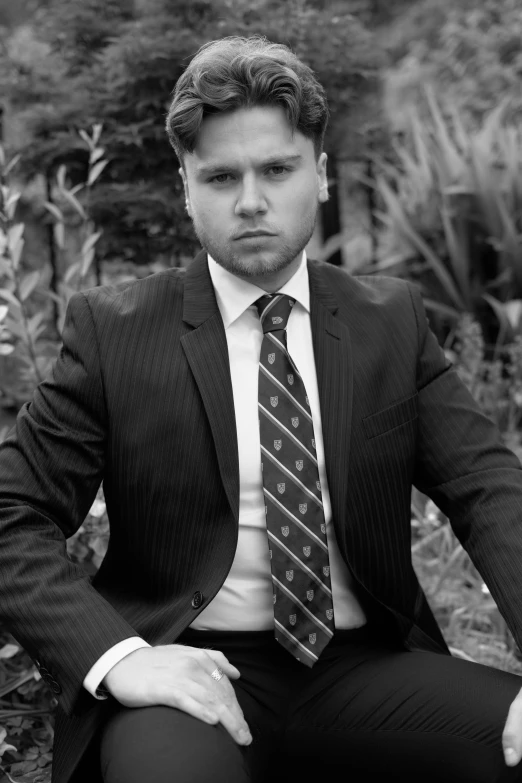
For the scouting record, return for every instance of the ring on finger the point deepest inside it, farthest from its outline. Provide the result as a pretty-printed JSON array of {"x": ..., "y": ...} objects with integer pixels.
[{"x": 217, "y": 673}]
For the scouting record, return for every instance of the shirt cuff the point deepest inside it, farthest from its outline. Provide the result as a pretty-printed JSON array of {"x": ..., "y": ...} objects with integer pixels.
[{"x": 109, "y": 659}]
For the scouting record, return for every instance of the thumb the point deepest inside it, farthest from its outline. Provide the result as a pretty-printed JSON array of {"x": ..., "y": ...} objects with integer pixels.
[{"x": 512, "y": 734}]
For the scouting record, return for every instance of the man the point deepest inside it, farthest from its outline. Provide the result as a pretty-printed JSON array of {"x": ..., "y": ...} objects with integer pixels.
[{"x": 258, "y": 423}]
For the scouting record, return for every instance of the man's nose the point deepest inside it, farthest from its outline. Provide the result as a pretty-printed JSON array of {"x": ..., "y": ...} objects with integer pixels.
[{"x": 251, "y": 199}]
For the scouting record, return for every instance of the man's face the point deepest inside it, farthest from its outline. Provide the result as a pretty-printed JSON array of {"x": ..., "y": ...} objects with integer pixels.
[{"x": 249, "y": 174}]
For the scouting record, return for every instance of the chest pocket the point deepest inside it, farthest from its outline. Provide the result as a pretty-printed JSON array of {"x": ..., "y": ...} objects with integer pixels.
[{"x": 392, "y": 417}]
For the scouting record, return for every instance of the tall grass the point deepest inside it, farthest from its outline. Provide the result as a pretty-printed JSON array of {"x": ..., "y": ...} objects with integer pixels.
[{"x": 453, "y": 209}]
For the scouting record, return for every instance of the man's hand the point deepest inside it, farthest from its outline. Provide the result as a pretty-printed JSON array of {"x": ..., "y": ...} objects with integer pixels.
[
  {"x": 178, "y": 676},
  {"x": 512, "y": 734}
]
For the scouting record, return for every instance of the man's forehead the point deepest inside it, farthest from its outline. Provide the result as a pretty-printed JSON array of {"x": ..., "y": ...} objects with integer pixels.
[{"x": 256, "y": 132}]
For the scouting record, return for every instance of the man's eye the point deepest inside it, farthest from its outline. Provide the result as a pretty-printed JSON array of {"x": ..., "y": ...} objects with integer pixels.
[
  {"x": 219, "y": 178},
  {"x": 222, "y": 179}
]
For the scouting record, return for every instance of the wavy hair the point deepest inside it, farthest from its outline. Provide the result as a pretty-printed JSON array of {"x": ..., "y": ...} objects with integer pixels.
[{"x": 234, "y": 73}]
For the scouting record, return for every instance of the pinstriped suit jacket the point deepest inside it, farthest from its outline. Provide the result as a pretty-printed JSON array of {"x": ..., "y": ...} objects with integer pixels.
[{"x": 141, "y": 398}]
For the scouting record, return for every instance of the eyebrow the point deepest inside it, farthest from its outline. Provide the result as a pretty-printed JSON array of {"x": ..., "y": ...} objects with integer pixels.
[{"x": 216, "y": 168}]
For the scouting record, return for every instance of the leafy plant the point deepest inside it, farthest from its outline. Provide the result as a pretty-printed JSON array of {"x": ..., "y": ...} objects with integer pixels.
[
  {"x": 468, "y": 616},
  {"x": 469, "y": 50},
  {"x": 89, "y": 544},
  {"x": 22, "y": 324},
  {"x": 26, "y": 709},
  {"x": 453, "y": 210},
  {"x": 496, "y": 383},
  {"x": 77, "y": 276}
]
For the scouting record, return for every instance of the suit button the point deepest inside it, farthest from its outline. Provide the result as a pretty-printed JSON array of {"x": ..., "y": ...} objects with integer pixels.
[
  {"x": 197, "y": 599},
  {"x": 55, "y": 687}
]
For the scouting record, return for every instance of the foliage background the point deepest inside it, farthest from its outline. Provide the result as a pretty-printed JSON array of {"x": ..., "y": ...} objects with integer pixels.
[{"x": 425, "y": 179}]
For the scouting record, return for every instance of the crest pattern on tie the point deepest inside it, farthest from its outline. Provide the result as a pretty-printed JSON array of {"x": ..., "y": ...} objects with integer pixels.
[{"x": 298, "y": 548}]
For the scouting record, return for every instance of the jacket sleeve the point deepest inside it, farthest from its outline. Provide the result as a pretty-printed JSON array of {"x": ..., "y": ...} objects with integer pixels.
[
  {"x": 51, "y": 466},
  {"x": 469, "y": 473}
]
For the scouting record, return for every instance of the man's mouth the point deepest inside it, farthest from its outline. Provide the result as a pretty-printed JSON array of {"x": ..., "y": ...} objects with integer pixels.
[{"x": 254, "y": 234}]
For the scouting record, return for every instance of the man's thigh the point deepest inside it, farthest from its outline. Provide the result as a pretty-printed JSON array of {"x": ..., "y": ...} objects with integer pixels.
[
  {"x": 168, "y": 746},
  {"x": 369, "y": 711},
  {"x": 165, "y": 744}
]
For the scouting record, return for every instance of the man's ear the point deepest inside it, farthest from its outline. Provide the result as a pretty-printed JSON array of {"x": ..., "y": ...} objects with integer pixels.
[
  {"x": 185, "y": 188},
  {"x": 322, "y": 177}
]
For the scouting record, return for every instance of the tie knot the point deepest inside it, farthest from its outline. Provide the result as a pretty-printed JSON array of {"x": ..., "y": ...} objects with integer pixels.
[{"x": 274, "y": 310}]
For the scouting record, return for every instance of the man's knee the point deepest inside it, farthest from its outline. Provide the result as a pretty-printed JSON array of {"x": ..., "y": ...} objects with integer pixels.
[{"x": 168, "y": 746}]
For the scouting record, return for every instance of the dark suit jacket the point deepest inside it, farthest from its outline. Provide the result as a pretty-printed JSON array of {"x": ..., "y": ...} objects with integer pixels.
[{"x": 140, "y": 397}]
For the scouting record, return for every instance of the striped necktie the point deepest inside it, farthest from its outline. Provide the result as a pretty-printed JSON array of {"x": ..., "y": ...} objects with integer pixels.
[{"x": 298, "y": 548}]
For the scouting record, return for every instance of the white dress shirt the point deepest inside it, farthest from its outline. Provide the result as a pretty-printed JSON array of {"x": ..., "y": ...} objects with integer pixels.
[{"x": 244, "y": 602}]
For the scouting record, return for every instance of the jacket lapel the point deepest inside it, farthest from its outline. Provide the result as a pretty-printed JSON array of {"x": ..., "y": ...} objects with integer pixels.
[
  {"x": 207, "y": 354},
  {"x": 333, "y": 362}
]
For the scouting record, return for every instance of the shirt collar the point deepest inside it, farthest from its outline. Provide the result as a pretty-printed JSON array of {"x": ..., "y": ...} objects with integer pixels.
[{"x": 235, "y": 295}]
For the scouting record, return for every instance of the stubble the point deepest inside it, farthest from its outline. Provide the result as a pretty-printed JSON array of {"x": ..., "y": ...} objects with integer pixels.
[{"x": 258, "y": 261}]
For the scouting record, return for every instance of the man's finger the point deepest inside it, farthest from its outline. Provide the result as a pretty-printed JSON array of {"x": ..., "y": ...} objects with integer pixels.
[
  {"x": 512, "y": 734},
  {"x": 229, "y": 669}
]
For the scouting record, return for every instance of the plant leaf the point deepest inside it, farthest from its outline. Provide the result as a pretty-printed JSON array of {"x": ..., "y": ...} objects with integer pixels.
[
  {"x": 86, "y": 262},
  {"x": 16, "y": 254},
  {"x": 28, "y": 285},
  {"x": 60, "y": 176},
  {"x": 438, "y": 307},
  {"x": 4, "y": 747},
  {"x": 8, "y": 296},
  {"x": 74, "y": 203},
  {"x": 59, "y": 235},
  {"x": 12, "y": 163},
  {"x": 458, "y": 251},
  {"x": 56, "y": 211},
  {"x": 85, "y": 136},
  {"x": 397, "y": 216},
  {"x": 11, "y": 203},
  {"x": 50, "y": 295},
  {"x": 96, "y": 155},
  {"x": 96, "y": 171},
  {"x": 508, "y": 313},
  {"x": 96, "y": 131},
  {"x": 90, "y": 242},
  {"x": 8, "y": 651},
  {"x": 15, "y": 234},
  {"x": 72, "y": 270},
  {"x": 450, "y": 161}
]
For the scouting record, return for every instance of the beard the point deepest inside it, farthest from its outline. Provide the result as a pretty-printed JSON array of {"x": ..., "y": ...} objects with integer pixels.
[{"x": 258, "y": 261}]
